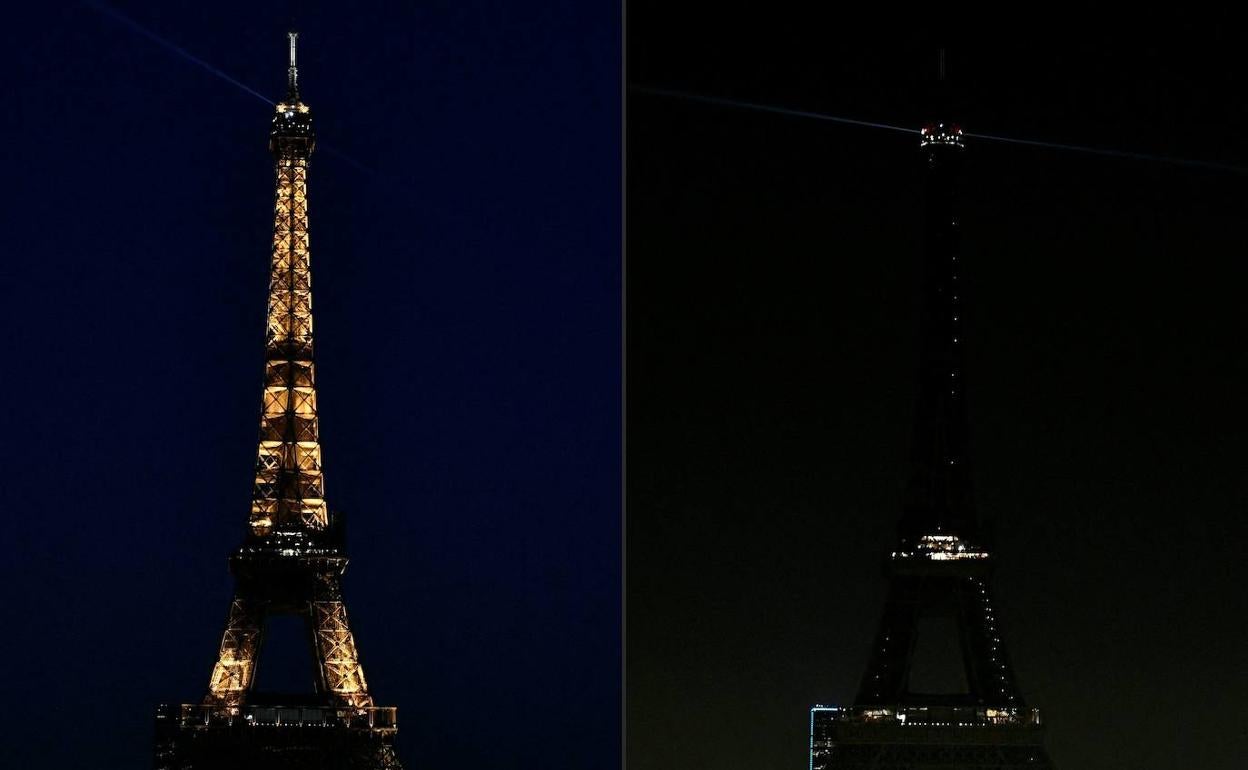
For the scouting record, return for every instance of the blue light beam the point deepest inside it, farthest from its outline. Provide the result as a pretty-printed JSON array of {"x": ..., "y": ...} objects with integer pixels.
[
  {"x": 1100, "y": 151},
  {"x": 172, "y": 47},
  {"x": 768, "y": 108},
  {"x": 1111, "y": 153},
  {"x": 168, "y": 45}
]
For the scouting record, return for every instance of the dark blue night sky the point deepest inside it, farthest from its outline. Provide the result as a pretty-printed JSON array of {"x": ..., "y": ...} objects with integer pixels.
[{"x": 466, "y": 264}]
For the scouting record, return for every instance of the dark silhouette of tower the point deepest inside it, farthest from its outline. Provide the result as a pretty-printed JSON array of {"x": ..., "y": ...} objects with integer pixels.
[
  {"x": 292, "y": 558},
  {"x": 938, "y": 575}
]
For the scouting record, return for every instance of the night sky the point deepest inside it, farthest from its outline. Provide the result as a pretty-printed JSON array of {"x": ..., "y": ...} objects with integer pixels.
[
  {"x": 772, "y": 279},
  {"x": 465, "y": 229}
]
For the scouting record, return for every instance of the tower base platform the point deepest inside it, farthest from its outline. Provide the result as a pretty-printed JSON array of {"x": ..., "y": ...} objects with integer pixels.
[
  {"x": 202, "y": 737},
  {"x": 932, "y": 738}
]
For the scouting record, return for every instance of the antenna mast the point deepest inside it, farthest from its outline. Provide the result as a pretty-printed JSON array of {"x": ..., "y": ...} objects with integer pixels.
[{"x": 292, "y": 74}]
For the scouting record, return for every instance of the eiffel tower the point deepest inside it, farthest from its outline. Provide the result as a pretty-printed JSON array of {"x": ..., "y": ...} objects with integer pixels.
[
  {"x": 292, "y": 559},
  {"x": 938, "y": 575}
]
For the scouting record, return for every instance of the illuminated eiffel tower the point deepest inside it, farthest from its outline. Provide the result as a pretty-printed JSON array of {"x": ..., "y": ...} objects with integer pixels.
[
  {"x": 938, "y": 575},
  {"x": 291, "y": 561}
]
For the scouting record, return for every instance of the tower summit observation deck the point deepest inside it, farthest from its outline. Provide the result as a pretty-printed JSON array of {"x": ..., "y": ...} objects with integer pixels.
[{"x": 292, "y": 558}]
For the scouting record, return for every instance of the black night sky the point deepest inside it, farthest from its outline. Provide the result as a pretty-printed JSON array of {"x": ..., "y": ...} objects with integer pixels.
[
  {"x": 772, "y": 281},
  {"x": 465, "y": 219}
]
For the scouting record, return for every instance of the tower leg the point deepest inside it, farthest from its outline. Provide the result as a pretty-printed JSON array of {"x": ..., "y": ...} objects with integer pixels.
[
  {"x": 235, "y": 669},
  {"x": 989, "y": 678},
  {"x": 340, "y": 672},
  {"x": 888, "y": 669}
]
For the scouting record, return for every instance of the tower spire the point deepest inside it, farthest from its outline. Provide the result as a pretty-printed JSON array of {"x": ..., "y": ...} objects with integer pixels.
[{"x": 292, "y": 71}]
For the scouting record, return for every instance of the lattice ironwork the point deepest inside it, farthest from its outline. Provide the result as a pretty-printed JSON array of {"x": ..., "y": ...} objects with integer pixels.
[
  {"x": 336, "y": 648},
  {"x": 235, "y": 670},
  {"x": 291, "y": 561},
  {"x": 291, "y": 564},
  {"x": 290, "y": 489}
]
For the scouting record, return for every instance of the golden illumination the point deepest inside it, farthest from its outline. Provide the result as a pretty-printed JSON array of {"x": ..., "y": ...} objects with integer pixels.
[
  {"x": 341, "y": 674},
  {"x": 288, "y": 498},
  {"x": 340, "y": 664},
  {"x": 232, "y": 675},
  {"x": 289, "y": 489}
]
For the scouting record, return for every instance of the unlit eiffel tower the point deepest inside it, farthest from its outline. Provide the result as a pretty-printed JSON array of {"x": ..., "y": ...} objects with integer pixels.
[
  {"x": 938, "y": 574},
  {"x": 291, "y": 561}
]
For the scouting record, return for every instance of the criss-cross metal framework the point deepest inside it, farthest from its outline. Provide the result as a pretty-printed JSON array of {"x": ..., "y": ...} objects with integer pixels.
[
  {"x": 291, "y": 561},
  {"x": 290, "y": 488},
  {"x": 941, "y": 565},
  {"x": 340, "y": 677}
]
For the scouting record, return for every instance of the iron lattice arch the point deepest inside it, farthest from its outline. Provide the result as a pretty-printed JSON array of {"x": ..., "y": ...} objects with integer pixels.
[
  {"x": 932, "y": 592},
  {"x": 340, "y": 675}
]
